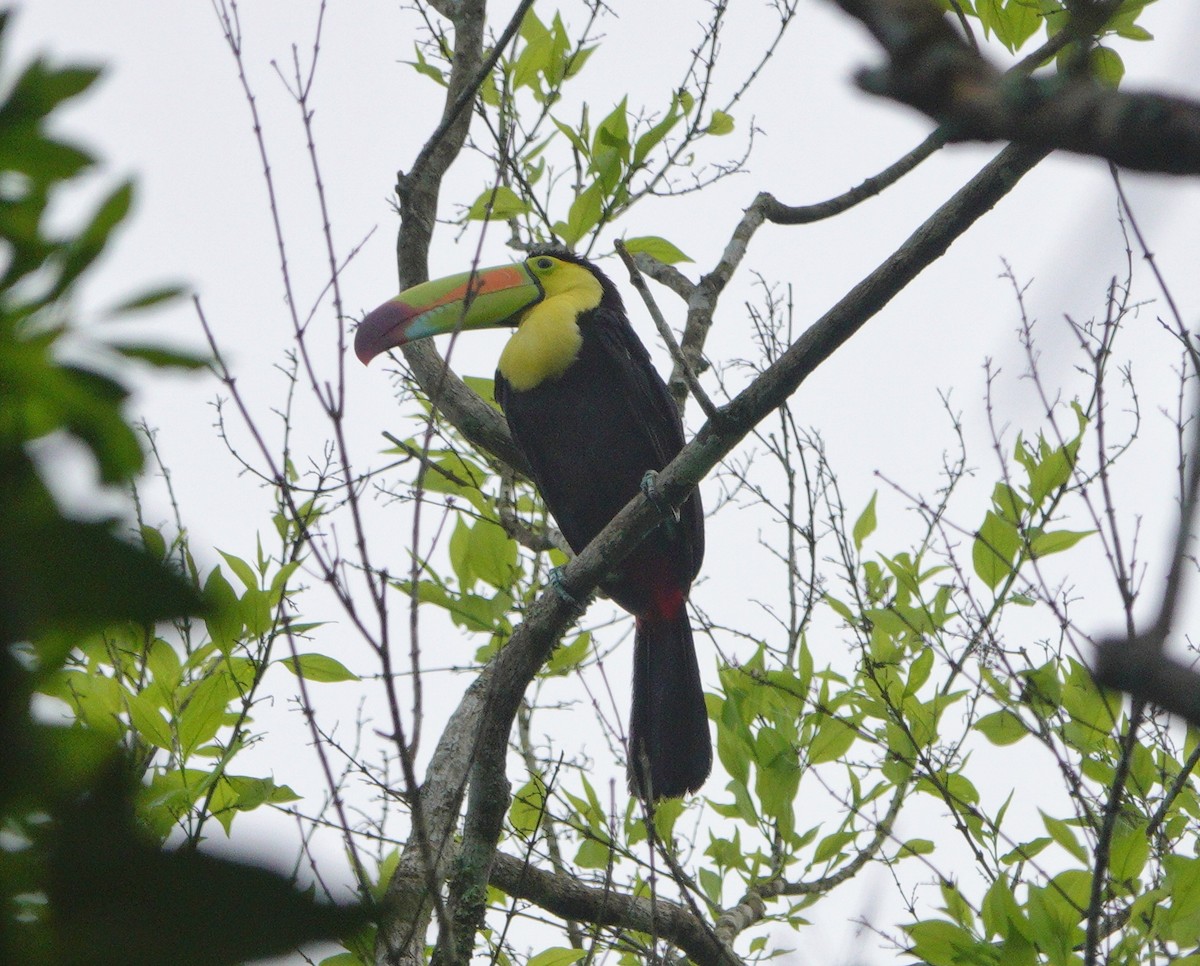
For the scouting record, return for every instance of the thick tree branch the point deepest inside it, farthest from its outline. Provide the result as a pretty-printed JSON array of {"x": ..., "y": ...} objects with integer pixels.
[
  {"x": 701, "y": 297},
  {"x": 423, "y": 863},
  {"x": 934, "y": 70},
  {"x": 569, "y": 898},
  {"x": 418, "y": 194},
  {"x": 487, "y": 805}
]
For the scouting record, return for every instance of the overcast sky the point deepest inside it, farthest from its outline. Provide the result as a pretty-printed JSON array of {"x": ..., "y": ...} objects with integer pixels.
[{"x": 170, "y": 113}]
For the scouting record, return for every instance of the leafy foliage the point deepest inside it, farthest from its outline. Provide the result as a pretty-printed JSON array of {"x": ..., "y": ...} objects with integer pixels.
[
  {"x": 84, "y": 875},
  {"x": 956, "y": 675},
  {"x": 615, "y": 162}
]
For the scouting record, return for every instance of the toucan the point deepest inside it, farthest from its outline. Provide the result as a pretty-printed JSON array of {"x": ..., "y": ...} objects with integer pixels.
[{"x": 592, "y": 417}]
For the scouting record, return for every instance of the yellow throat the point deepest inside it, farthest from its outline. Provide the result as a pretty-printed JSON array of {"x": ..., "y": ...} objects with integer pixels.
[{"x": 548, "y": 339}]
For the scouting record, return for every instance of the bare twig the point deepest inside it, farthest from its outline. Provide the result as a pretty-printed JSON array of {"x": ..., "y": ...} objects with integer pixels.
[{"x": 664, "y": 331}]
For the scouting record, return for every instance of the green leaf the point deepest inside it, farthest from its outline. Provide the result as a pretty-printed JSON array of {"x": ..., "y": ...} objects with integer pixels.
[
  {"x": 585, "y": 213},
  {"x": 1129, "y": 851},
  {"x": 578, "y": 60},
  {"x": 1056, "y": 541},
  {"x": 1001, "y": 728},
  {"x": 920, "y": 670},
  {"x": 567, "y": 657},
  {"x": 831, "y": 846},
  {"x": 422, "y": 66},
  {"x": 994, "y": 550},
  {"x": 592, "y": 854},
  {"x": 118, "y": 898},
  {"x": 459, "y": 550},
  {"x": 653, "y": 137},
  {"x": 955, "y": 905},
  {"x": 165, "y": 668},
  {"x": 154, "y": 542},
  {"x": 243, "y": 570},
  {"x": 735, "y": 747},
  {"x": 558, "y": 956},
  {"x": 88, "y": 244},
  {"x": 148, "y": 721},
  {"x": 223, "y": 620},
  {"x": 1008, "y": 503},
  {"x": 941, "y": 943},
  {"x": 44, "y": 161},
  {"x": 149, "y": 299},
  {"x": 497, "y": 204},
  {"x": 163, "y": 358},
  {"x": 1135, "y": 32},
  {"x": 1061, "y": 832},
  {"x": 204, "y": 712},
  {"x": 257, "y": 612},
  {"x": 840, "y": 608},
  {"x": 578, "y": 144},
  {"x": 493, "y": 555},
  {"x": 1107, "y": 66},
  {"x": 485, "y": 387},
  {"x": 720, "y": 124},
  {"x": 455, "y": 476},
  {"x": 1086, "y": 703},
  {"x": 41, "y": 88},
  {"x": 657, "y": 248},
  {"x": 1050, "y": 471},
  {"x": 613, "y": 132},
  {"x": 864, "y": 526},
  {"x": 778, "y": 775},
  {"x": 342, "y": 959},
  {"x": 712, "y": 884},
  {"x": 832, "y": 740},
  {"x": 536, "y": 54},
  {"x": 1026, "y": 850},
  {"x": 1000, "y": 912},
  {"x": 41, "y": 554},
  {"x": 318, "y": 667},
  {"x": 528, "y": 807}
]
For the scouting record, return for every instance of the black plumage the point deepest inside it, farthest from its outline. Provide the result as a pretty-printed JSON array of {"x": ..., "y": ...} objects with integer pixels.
[{"x": 590, "y": 436}]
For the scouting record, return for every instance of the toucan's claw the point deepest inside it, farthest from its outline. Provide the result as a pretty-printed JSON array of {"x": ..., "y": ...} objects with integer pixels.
[
  {"x": 650, "y": 487},
  {"x": 556, "y": 581}
]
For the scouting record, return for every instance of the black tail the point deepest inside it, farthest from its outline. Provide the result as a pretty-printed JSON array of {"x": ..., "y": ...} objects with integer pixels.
[{"x": 668, "y": 726}]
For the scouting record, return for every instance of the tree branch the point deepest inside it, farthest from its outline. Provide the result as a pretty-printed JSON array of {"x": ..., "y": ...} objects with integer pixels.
[
  {"x": 664, "y": 331},
  {"x": 934, "y": 70},
  {"x": 418, "y": 194},
  {"x": 753, "y": 905},
  {"x": 569, "y": 898},
  {"x": 482, "y": 721}
]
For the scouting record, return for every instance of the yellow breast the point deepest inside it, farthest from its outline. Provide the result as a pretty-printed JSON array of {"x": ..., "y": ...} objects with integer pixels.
[{"x": 545, "y": 344}]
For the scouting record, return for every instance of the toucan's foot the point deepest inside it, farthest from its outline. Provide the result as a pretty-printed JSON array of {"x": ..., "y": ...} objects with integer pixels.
[
  {"x": 556, "y": 581},
  {"x": 654, "y": 495}
]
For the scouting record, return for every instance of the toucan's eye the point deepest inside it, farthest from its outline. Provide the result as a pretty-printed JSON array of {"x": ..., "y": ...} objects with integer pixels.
[{"x": 545, "y": 264}]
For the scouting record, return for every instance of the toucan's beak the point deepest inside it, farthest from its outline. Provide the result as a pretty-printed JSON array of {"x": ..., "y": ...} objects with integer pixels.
[{"x": 481, "y": 299}]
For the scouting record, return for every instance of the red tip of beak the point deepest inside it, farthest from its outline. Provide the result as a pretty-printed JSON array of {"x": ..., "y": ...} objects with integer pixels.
[{"x": 382, "y": 329}]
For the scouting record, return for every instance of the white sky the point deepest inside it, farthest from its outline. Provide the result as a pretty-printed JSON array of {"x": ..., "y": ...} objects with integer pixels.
[{"x": 170, "y": 113}]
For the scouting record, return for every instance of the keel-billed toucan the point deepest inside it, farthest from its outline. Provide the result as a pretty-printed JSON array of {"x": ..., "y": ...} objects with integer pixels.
[{"x": 591, "y": 416}]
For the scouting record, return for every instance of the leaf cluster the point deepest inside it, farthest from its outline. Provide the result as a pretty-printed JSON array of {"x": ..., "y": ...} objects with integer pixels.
[
  {"x": 83, "y": 873},
  {"x": 596, "y": 171}
]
